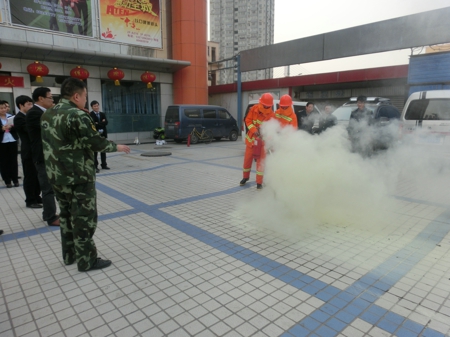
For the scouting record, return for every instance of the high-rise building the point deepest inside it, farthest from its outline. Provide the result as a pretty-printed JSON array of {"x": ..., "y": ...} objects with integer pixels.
[{"x": 239, "y": 25}]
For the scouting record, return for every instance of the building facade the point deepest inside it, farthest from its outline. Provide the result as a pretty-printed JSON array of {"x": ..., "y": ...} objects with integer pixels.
[
  {"x": 99, "y": 35},
  {"x": 239, "y": 25}
]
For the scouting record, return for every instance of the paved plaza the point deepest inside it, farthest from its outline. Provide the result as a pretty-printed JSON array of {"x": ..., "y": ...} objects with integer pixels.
[{"x": 190, "y": 260}]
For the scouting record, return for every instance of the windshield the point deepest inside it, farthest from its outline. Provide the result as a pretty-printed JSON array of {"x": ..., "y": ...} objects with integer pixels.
[{"x": 343, "y": 113}]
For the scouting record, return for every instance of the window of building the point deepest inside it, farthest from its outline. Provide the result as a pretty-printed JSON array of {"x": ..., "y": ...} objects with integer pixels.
[
  {"x": 213, "y": 54},
  {"x": 130, "y": 98}
]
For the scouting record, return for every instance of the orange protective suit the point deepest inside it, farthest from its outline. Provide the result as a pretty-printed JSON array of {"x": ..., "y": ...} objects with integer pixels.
[
  {"x": 254, "y": 119},
  {"x": 286, "y": 117}
]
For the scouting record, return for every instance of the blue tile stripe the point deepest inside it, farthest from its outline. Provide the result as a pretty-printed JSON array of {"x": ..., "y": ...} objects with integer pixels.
[
  {"x": 357, "y": 300},
  {"x": 342, "y": 307}
]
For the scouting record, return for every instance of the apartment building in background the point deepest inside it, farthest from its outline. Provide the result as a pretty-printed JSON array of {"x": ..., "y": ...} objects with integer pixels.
[
  {"x": 239, "y": 25},
  {"x": 213, "y": 66}
]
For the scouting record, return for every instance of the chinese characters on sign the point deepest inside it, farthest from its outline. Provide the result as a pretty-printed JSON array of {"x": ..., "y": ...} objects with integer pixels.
[
  {"x": 11, "y": 81},
  {"x": 131, "y": 21}
]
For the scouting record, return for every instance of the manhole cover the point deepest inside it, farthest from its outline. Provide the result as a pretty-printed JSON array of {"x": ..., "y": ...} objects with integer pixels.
[{"x": 156, "y": 154}]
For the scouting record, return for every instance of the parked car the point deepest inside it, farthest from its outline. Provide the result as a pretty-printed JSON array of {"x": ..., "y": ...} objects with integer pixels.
[
  {"x": 382, "y": 131},
  {"x": 296, "y": 105},
  {"x": 181, "y": 119},
  {"x": 426, "y": 120},
  {"x": 381, "y": 107}
]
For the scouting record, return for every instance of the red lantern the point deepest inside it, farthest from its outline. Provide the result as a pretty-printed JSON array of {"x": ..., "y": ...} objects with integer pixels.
[
  {"x": 38, "y": 69},
  {"x": 148, "y": 78},
  {"x": 79, "y": 73},
  {"x": 116, "y": 75}
]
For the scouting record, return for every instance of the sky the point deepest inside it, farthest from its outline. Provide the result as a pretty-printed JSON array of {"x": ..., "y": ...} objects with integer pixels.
[{"x": 297, "y": 19}]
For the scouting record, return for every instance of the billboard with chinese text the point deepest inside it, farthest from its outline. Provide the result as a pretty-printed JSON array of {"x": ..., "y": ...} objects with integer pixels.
[{"x": 135, "y": 22}]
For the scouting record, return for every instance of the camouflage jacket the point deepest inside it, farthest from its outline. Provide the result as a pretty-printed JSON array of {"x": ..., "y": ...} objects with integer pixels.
[{"x": 69, "y": 139}]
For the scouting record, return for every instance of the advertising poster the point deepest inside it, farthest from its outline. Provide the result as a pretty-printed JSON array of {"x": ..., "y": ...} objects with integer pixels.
[
  {"x": 67, "y": 16},
  {"x": 135, "y": 22}
]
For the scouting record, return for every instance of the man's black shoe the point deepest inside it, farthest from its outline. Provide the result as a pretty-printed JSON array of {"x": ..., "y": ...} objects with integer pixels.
[
  {"x": 1, "y": 231},
  {"x": 97, "y": 170},
  {"x": 259, "y": 186},
  {"x": 243, "y": 181},
  {"x": 34, "y": 206},
  {"x": 105, "y": 168},
  {"x": 99, "y": 264}
]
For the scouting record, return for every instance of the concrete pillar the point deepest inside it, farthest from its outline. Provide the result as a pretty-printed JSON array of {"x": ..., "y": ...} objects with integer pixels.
[{"x": 189, "y": 35}]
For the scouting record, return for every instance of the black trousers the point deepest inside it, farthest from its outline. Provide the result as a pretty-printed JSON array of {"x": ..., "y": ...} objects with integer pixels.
[
  {"x": 8, "y": 162},
  {"x": 31, "y": 185},
  {"x": 48, "y": 196}
]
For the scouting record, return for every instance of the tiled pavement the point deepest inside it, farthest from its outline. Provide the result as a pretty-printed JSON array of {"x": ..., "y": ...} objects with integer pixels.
[{"x": 187, "y": 262}]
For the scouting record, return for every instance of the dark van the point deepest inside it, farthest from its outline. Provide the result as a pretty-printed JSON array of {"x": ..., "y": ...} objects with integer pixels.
[{"x": 181, "y": 119}]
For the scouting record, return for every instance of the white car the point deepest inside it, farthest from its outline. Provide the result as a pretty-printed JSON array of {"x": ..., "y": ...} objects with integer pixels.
[{"x": 426, "y": 120}]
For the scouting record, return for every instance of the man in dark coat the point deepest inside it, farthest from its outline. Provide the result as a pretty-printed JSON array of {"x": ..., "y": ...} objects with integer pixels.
[
  {"x": 359, "y": 127},
  {"x": 43, "y": 100},
  {"x": 100, "y": 122},
  {"x": 30, "y": 178}
]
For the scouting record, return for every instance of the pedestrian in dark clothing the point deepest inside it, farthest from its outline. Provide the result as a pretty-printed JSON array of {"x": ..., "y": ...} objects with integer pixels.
[
  {"x": 30, "y": 178},
  {"x": 308, "y": 119},
  {"x": 329, "y": 120},
  {"x": 100, "y": 122},
  {"x": 8, "y": 148},
  {"x": 359, "y": 133},
  {"x": 43, "y": 100}
]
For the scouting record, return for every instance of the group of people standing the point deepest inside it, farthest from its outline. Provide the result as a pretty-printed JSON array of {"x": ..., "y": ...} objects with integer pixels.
[
  {"x": 58, "y": 143},
  {"x": 308, "y": 120}
]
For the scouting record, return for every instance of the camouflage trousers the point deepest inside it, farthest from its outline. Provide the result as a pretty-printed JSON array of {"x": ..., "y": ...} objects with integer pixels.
[{"x": 78, "y": 217}]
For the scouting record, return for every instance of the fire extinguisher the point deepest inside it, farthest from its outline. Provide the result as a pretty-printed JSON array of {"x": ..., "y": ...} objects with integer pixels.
[{"x": 257, "y": 147}]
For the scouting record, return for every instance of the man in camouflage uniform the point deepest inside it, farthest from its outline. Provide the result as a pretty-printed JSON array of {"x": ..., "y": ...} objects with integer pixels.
[{"x": 69, "y": 140}]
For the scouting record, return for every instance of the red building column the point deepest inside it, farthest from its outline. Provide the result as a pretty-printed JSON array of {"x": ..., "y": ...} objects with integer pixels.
[{"x": 189, "y": 35}]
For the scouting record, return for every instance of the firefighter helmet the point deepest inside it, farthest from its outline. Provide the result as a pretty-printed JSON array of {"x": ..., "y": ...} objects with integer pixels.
[
  {"x": 285, "y": 101},
  {"x": 266, "y": 99}
]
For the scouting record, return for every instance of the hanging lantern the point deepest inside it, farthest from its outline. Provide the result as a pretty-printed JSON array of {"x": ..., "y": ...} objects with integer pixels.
[
  {"x": 148, "y": 78},
  {"x": 79, "y": 73},
  {"x": 38, "y": 69},
  {"x": 116, "y": 75}
]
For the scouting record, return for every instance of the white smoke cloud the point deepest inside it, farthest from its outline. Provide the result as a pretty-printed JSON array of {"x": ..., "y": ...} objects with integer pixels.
[{"x": 311, "y": 180}]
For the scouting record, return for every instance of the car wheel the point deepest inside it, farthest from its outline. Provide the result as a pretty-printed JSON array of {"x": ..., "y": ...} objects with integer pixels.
[{"x": 233, "y": 135}]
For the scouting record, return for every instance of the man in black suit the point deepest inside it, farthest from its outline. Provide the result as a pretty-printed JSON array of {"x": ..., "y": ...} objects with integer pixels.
[
  {"x": 100, "y": 122},
  {"x": 30, "y": 179},
  {"x": 43, "y": 100}
]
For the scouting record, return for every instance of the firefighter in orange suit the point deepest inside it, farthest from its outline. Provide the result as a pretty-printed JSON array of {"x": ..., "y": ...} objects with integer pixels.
[
  {"x": 254, "y": 149},
  {"x": 285, "y": 114}
]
